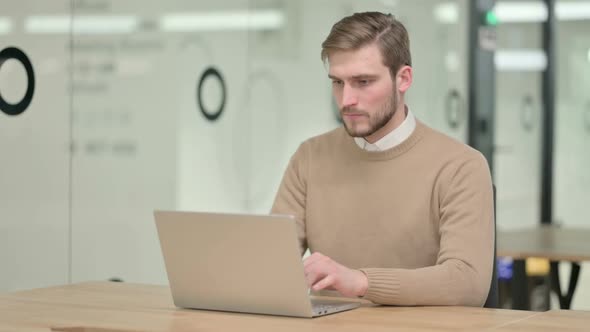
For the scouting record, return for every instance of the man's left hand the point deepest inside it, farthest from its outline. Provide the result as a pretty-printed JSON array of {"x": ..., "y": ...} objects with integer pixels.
[{"x": 322, "y": 272}]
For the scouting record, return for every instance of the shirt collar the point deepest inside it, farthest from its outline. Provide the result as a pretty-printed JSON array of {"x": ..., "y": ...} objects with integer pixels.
[{"x": 393, "y": 138}]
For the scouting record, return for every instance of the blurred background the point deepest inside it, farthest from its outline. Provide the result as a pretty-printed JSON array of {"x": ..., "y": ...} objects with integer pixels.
[{"x": 111, "y": 109}]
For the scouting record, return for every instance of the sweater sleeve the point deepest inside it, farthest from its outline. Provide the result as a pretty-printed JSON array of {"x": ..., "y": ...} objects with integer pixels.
[
  {"x": 291, "y": 195},
  {"x": 463, "y": 270}
]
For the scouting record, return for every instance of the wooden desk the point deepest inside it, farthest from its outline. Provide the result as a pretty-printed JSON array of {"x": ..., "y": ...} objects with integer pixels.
[
  {"x": 551, "y": 242},
  {"x": 123, "y": 307},
  {"x": 550, "y": 321}
]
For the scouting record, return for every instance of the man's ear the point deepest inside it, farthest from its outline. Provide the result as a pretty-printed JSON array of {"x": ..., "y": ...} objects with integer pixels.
[{"x": 403, "y": 79}]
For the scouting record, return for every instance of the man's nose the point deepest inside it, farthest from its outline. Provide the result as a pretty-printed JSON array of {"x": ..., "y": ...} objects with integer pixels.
[{"x": 349, "y": 97}]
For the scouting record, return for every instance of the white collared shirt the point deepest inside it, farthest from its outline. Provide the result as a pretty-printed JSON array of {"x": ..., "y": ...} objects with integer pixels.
[{"x": 392, "y": 139}]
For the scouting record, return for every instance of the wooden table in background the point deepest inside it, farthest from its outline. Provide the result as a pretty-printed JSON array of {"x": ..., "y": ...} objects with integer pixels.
[
  {"x": 557, "y": 244},
  {"x": 123, "y": 307}
]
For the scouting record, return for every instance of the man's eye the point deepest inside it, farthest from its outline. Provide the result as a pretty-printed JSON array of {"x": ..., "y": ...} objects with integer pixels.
[
  {"x": 337, "y": 82},
  {"x": 364, "y": 82}
]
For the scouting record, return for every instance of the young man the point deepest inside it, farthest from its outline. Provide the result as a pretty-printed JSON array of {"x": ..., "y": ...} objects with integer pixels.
[{"x": 392, "y": 210}]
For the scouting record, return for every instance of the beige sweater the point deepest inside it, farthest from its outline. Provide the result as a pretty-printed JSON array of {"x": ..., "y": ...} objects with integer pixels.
[{"x": 417, "y": 219}]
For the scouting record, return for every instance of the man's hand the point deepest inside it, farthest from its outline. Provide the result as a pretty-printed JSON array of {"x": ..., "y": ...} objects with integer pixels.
[{"x": 321, "y": 272}]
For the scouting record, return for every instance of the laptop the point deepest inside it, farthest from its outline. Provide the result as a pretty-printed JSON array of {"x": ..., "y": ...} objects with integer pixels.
[{"x": 238, "y": 262}]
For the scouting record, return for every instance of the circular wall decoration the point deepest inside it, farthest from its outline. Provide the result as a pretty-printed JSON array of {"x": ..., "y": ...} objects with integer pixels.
[
  {"x": 527, "y": 114},
  {"x": 211, "y": 114},
  {"x": 453, "y": 108},
  {"x": 18, "y": 55}
]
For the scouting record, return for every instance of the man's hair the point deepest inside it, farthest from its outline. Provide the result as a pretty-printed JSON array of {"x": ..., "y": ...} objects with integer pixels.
[{"x": 361, "y": 29}]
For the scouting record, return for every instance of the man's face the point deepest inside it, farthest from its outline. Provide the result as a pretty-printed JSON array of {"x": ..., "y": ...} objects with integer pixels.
[{"x": 364, "y": 91}]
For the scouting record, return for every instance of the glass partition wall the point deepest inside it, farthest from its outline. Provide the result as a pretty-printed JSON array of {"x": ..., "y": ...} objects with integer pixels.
[
  {"x": 520, "y": 61},
  {"x": 154, "y": 97},
  {"x": 572, "y": 129},
  {"x": 34, "y": 146},
  {"x": 200, "y": 106}
]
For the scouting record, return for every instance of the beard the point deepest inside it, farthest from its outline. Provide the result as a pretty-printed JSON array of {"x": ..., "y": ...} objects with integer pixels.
[{"x": 376, "y": 122}]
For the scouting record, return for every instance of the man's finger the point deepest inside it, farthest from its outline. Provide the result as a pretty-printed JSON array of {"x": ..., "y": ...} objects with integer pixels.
[
  {"x": 310, "y": 278},
  {"x": 314, "y": 275},
  {"x": 326, "y": 282}
]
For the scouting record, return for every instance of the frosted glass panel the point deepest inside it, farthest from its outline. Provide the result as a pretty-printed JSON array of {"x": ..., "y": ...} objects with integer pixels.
[
  {"x": 34, "y": 148},
  {"x": 144, "y": 93},
  {"x": 438, "y": 35},
  {"x": 572, "y": 122},
  {"x": 518, "y": 126},
  {"x": 572, "y": 132},
  {"x": 199, "y": 106}
]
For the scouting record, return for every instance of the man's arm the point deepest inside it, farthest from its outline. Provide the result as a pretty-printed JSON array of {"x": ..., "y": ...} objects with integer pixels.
[
  {"x": 463, "y": 270},
  {"x": 292, "y": 193}
]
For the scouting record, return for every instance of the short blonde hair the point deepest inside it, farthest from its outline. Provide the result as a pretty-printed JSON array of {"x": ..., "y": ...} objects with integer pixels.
[{"x": 361, "y": 29}]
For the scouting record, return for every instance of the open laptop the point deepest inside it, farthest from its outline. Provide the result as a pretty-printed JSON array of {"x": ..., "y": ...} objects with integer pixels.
[{"x": 238, "y": 262}]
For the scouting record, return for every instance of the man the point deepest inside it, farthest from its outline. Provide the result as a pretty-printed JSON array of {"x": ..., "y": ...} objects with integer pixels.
[{"x": 392, "y": 210}]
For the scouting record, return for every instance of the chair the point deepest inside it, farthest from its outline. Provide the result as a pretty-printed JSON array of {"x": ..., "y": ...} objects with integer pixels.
[{"x": 493, "y": 298}]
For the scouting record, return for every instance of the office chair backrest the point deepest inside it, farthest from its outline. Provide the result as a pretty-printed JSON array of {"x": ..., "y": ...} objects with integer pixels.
[{"x": 493, "y": 298}]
